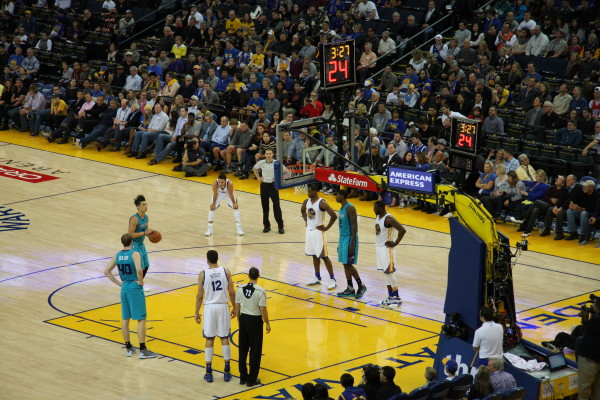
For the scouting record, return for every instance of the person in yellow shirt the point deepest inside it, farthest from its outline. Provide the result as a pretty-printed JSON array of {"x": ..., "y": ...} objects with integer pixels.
[
  {"x": 258, "y": 59},
  {"x": 179, "y": 49},
  {"x": 232, "y": 24},
  {"x": 58, "y": 112}
]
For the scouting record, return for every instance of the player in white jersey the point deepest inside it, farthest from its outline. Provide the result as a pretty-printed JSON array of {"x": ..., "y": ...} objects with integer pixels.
[
  {"x": 385, "y": 251},
  {"x": 223, "y": 190},
  {"x": 313, "y": 211},
  {"x": 215, "y": 289}
]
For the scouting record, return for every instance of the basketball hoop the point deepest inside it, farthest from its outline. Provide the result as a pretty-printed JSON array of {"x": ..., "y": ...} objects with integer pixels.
[{"x": 299, "y": 170}]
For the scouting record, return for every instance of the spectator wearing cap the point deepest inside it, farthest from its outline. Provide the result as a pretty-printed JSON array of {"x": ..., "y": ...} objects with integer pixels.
[
  {"x": 450, "y": 369},
  {"x": 581, "y": 208},
  {"x": 411, "y": 128},
  {"x": 126, "y": 24},
  {"x": 550, "y": 120},
  {"x": 568, "y": 136},
  {"x": 493, "y": 124},
  {"x": 501, "y": 380},
  {"x": 439, "y": 49},
  {"x": 194, "y": 105}
]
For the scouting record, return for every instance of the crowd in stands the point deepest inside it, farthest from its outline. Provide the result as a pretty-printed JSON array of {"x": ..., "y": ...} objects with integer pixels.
[
  {"x": 377, "y": 383},
  {"x": 214, "y": 79}
]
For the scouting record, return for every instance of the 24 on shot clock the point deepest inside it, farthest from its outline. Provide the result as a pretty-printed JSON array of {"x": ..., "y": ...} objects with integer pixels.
[{"x": 338, "y": 64}]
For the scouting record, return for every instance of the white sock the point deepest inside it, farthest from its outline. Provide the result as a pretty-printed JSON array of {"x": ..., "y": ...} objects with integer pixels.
[
  {"x": 208, "y": 354},
  {"x": 211, "y": 216},
  {"x": 226, "y": 352},
  {"x": 236, "y": 214}
]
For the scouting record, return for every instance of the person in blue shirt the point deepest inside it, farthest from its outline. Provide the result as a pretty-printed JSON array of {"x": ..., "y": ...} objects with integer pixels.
[
  {"x": 569, "y": 136},
  {"x": 175, "y": 64},
  {"x": 486, "y": 180},
  {"x": 256, "y": 101},
  {"x": 492, "y": 20},
  {"x": 351, "y": 392},
  {"x": 223, "y": 81},
  {"x": 395, "y": 124},
  {"x": 409, "y": 77},
  {"x": 154, "y": 67},
  {"x": 16, "y": 58},
  {"x": 230, "y": 52},
  {"x": 133, "y": 301}
]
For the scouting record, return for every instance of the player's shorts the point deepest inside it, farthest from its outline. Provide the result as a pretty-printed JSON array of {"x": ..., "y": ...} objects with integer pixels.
[
  {"x": 221, "y": 197},
  {"x": 133, "y": 301},
  {"x": 344, "y": 255},
  {"x": 386, "y": 257},
  {"x": 141, "y": 248},
  {"x": 315, "y": 243},
  {"x": 216, "y": 321}
]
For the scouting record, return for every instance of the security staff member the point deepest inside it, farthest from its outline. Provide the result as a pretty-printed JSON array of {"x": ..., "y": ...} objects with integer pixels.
[
  {"x": 265, "y": 173},
  {"x": 251, "y": 311},
  {"x": 588, "y": 358}
]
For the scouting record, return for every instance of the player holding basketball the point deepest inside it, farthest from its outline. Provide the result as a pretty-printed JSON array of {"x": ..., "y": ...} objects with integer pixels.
[
  {"x": 313, "y": 211},
  {"x": 138, "y": 229},
  {"x": 223, "y": 189},
  {"x": 348, "y": 245},
  {"x": 385, "y": 251},
  {"x": 215, "y": 289},
  {"x": 133, "y": 301}
]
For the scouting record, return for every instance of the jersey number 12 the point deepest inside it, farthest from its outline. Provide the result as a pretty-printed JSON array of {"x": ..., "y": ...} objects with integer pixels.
[{"x": 217, "y": 285}]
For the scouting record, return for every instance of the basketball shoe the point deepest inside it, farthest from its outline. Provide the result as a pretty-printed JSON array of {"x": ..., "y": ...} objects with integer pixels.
[
  {"x": 208, "y": 377},
  {"x": 147, "y": 354},
  {"x": 349, "y": 292},
  {"x": 209, "y": 231},
  {"x": 130, "y": 351},
  {"x": 332, "y": 284},
  {"x": 391, "y": 302},
  {"x": 314, "y": 282},
  {"x": 361, "y": 291},
  {"x": 240, "y": 231}
]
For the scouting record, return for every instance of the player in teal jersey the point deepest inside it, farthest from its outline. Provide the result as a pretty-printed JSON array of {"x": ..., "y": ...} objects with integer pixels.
[
  {"x": 348, "y": 245},
  {"x": 138, "y": 229},
  {"x": 133, "y": 301}
]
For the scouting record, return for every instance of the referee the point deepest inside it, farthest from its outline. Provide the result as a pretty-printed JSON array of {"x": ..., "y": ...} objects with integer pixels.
[
  {"x": 265, "y": 173},
  {"x": 251, "y": 310}
]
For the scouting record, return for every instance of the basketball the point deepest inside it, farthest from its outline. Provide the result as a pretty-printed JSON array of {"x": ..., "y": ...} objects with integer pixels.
[{"x": 155, "y": 237}]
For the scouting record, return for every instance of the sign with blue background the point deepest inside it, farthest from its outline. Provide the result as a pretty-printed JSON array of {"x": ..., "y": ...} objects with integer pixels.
[{"x": 414, "y": 180}]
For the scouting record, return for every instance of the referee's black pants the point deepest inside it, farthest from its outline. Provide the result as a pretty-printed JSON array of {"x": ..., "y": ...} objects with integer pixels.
[
  {"x": 251, "y": 339},
  {"x": 269, "y": 191}
]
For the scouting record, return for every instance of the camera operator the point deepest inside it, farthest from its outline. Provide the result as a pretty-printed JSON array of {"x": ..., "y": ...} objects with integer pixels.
[
  {"x": 588, "y": 357},
  {"x": 371, "y": 381},
  {"x": 563, "y": 339},
  {"x": 193, "y": 158}
]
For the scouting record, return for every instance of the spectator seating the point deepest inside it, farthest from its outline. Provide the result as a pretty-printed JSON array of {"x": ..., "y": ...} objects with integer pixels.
[
  {"x": 459, "y": 386},
  {"x": 515, "y": 394}
]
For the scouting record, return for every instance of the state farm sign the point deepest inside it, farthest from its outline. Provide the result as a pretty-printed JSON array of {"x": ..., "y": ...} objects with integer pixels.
[
  {"x": 344, "y": 178},
  {"x": 23, "y": 175}
]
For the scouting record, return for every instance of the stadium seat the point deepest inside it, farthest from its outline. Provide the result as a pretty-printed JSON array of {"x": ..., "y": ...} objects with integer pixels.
[
  {"x": 493, "y": 396},
  {"x": 399, "y": 396},
  {"x": 459, "y": 387},
  {"x": 515, "y": 394},
  {"x": 439, "y": 390},
  {"x": 419, "y": 394}
]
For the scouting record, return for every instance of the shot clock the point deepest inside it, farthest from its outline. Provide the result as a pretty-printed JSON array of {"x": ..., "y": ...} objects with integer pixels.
[
  {"x": 464, "y": 135},
  {"x": 463, "y": 143},
  {"x": 338, "y": 64}
]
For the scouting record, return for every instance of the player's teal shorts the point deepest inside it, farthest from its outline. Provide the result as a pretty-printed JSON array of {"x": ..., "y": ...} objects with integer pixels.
[
  {"x": 141, "y": 248},
  {"x": 344, "y": 255},
  {"x": 133, "y": 301}
]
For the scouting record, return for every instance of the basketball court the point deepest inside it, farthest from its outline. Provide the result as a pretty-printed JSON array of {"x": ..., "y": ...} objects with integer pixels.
[{"x": 62, "y": 212}]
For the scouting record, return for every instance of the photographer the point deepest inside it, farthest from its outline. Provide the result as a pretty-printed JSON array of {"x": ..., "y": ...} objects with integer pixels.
[
  {"x": 588, "y": 359},
  {"x": 371, "y": 381},
  {"x": 564, "y": 339},
  {"x": 193, "y": 158}
]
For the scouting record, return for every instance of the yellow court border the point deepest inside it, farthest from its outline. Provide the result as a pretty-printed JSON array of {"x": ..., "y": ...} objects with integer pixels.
[
  {"x": 375, "y": 334},
  {"x": 566, "y": 250}
]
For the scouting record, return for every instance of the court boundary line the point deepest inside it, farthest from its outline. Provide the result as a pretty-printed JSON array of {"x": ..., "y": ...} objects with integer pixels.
[
  {"x": 80, "y": 190},
  {"x": 333, "y": 365},
  {"x": 49, "y": 321},
  {"x": 557, "y": 301},
  {"x": 255, "y": 194}
]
